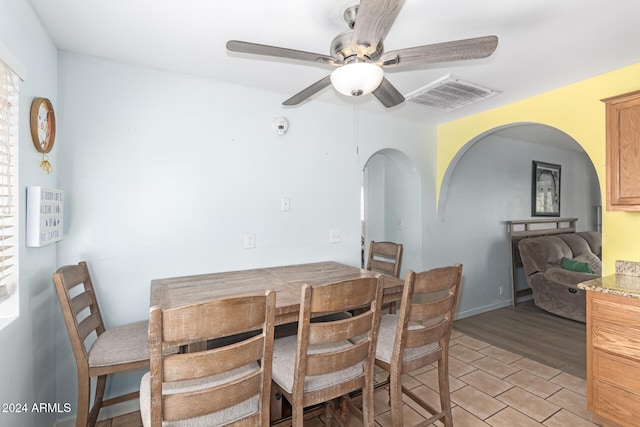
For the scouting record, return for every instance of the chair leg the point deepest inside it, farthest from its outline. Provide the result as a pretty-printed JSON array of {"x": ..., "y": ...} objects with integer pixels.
[
  {"x": 328, "y": 414},
  {"x": 368, "y": 412},
  {"x": 344, "y": 410},
  {"x": 389, "y": 388},
  {"x": 84, "y": 396},
  {"x": 443, "y": 385},
  {"x": 395, "y": 397},
  {"x": 297, "y": 415},
  {"x": 101, "y": 382}
]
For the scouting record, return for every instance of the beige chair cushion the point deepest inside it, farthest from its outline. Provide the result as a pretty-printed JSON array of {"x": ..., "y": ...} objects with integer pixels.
[
  {"x": 284, "y": 362},
  {"x": 128, "y": 343},
  {"x": 223, "y": 417},
  {"x": 387, "y": 338}
]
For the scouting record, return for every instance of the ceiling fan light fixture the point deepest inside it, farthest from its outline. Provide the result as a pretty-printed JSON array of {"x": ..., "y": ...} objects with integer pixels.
[{"x": 356, "y": 79}]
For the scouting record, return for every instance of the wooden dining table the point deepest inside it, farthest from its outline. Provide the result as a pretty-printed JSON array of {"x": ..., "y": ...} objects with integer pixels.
[{"x": 286, "y": 280}]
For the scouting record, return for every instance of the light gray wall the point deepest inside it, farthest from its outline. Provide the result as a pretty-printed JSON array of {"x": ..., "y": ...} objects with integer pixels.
[
  {"x": 165, "y": 172},
  {"x": 490, "y": 185},
  {"x": 27, "y": 359}
]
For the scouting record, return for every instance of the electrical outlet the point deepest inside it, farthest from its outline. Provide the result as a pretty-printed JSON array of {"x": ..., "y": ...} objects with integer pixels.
[
  {"x": 249, "y": 240},
  {"x": 285, "y": 204},
  {"x": 334, "y": 236}
]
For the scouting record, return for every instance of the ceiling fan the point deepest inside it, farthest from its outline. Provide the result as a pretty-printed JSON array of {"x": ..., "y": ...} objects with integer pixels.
[{"x": 359, "y": 56}]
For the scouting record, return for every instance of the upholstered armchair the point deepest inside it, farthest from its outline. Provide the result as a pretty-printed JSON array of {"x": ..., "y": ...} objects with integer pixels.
[{"x": 554, "y": 265}]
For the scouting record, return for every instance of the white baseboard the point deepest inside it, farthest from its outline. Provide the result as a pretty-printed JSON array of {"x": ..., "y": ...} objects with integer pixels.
[{"x": 483, "y": 309}]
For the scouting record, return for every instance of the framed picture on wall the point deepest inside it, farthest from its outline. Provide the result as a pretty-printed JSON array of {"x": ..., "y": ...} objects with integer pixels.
[{"x": 545, "y": 189}]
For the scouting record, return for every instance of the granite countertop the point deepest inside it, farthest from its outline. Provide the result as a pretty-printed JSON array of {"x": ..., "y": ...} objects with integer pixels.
[
  {"x": 617, "y": 284},
  {"x": 626, "y": 281}
]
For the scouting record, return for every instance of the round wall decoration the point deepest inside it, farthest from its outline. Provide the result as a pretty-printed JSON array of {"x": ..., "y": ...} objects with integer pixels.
[{"x": 43, "y": 125}]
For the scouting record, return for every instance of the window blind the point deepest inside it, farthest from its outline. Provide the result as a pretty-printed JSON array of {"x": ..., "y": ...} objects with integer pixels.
[{"x": 9, "y": 83}]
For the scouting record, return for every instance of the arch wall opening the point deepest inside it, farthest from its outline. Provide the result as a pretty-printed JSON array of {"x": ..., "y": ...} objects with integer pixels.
[
  {"x": 391, "y": 205},
  {"x": 486, "y": 185}
]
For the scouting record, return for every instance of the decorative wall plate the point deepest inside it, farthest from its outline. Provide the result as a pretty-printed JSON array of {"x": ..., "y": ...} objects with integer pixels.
[{"x": 43, "y": 125}]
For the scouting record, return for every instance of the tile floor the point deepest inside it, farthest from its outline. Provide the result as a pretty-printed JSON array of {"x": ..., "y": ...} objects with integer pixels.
[
  {"x": 489, "y": 387},
  {"x": 493, "y": 387}
]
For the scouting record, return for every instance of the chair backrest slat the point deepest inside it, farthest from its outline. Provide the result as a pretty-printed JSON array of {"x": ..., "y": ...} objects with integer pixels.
[
  {"x": 342, "y": 296},
  {"x": 195, "y": 404},
  {"x": 436, "y": 280},
  {"x": 186, "y": 366},
  {"x": 423, "y": 336},
  {"x": 323, "y": 332},
  {"x": 231, "y": 316},
  {"x": 89, "y": 324},
  {"x": 431, "y": 309},
  {"x": 386, "y": 249},
  {"x": 82, "y": 301},
  {"x": 74, "y": 275},
  {"x": 385, "y": 267},
  {"x": 324, "y": 363}
]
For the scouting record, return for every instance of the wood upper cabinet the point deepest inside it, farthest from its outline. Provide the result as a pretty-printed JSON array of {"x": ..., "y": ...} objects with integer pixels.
[{"x": 623, "y": 152}]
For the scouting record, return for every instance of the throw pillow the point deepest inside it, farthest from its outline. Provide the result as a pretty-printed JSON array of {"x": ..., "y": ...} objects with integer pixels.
[
  {"x": 593, "y": 261},
  {"x": 577, "y": 266}
]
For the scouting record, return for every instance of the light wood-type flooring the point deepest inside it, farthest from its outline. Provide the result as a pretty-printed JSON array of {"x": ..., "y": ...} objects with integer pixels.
[{"x": 534, "y": 333}]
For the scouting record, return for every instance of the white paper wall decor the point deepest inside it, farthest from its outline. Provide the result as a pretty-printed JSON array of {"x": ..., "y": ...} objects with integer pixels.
[{"x": 44, "y": 216}]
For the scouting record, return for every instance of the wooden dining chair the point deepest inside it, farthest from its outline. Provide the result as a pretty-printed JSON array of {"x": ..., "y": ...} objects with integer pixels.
[
  {"x": 98, "y": 351},
  {"x": 418, "y": 336},
  {"x": 320, "y": 364},
  {"x": 225, "y": 385},
  {"x": 385, "y": 258}
]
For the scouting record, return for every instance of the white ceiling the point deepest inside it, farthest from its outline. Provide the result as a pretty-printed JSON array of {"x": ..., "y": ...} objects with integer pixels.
[{"x": 543, "y": 44}]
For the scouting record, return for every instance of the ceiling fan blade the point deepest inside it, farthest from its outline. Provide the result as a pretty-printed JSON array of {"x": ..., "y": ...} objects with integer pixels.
[
  {"x": 373, "y": 21},
  {"x": 459, "y": 50},
  {"x": 305, "y": 94},
  {"x": 387, "y": 94},
  {"x": 279, "y": 52}
]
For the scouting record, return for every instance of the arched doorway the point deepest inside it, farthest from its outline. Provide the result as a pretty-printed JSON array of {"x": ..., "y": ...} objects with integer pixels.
[
  {"x": 487, "y": 184},
  {"x": 391, "y": 205}
]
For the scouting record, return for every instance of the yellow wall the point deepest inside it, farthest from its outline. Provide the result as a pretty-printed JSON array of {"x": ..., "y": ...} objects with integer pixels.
[{"x": 576, "y": 110}]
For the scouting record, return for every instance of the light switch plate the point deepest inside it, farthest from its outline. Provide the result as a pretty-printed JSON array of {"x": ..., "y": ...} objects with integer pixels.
[{"x": 249, "y": 240}]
